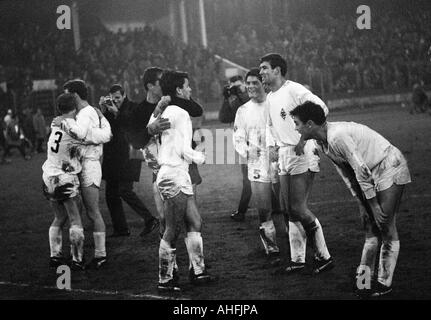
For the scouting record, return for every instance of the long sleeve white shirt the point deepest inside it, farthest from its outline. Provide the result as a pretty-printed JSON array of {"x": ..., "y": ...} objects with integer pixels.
[
  {"x": 281, "y": 102},
  {"x": 90, "y": 130},
  {"x": 351, "y": 146},
  {"x": 175, "y": 144},
  {"x": 250, "y": 131}
]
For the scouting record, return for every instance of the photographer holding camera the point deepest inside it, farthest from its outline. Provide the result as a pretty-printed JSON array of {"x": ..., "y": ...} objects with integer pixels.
[
  {"x": 118, "y": 170},
  {"x": 235, "y": 95}
]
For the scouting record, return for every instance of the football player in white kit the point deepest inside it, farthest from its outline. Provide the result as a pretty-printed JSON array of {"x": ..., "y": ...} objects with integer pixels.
[
  {"x": 174, "y": 155},
  {"x": 61, "y": 187},
  {"x": 249, "y": 139},
  {"x": 376, "y": 173},
  {"x": 92, "y": 129},
  {"x": 298, "y": 162}
]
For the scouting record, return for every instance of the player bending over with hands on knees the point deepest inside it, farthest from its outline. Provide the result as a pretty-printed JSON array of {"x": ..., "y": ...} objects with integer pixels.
[{"x": 375, "y": 172}]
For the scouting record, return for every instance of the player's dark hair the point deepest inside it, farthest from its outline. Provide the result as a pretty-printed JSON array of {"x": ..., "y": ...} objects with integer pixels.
[
  {"x": 275, "y": 60},
  {"x": 151, "y": 75},
  {"x": 309, "y": 111},
  {"x": 115, "y": 88},
  {"x": 171, "y": 80},
  {"x": 77, "y": 86},
  {"x": 254, "y": 72},
  {"x": 66, "y": 102}
]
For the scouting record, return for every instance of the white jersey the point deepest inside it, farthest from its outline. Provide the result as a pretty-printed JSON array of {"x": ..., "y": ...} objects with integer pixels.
[
  {"x": 175, "y": 144},
  {"x": 351, "y": 146},
  {"x": 281, "y": 102},
  {"x": 91, "y": 130},
  {"x": 249, "y": 139},
  {"x": 250, "y": 128},
  {"x": 64, "y": 154}
]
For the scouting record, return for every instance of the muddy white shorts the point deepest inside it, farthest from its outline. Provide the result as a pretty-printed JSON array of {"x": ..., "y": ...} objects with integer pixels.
[
  {"x": 60, "y": 187},
  {"x": 290, "y": 163},
  {"x": 173, "y": 180},
  {"x": 91, "y": 173},
  {"x": 263, "y": 172},
  {"x": 392, "y": 170}
]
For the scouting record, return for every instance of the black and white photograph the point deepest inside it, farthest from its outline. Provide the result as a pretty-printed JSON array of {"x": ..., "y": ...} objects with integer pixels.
[{"x": 215, "y": 155}]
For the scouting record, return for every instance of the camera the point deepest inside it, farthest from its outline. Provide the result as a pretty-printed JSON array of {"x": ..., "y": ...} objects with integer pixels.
[
  {"x": 107, "y": 101},
  {"x": 229, "y": 91}
]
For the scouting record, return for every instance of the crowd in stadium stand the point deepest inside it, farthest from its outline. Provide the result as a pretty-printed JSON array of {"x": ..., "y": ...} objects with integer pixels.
[
  {"x": 330, "y": 56},
  {"x": 391, "y": 55},
  {"x": 105, "y": 58}
]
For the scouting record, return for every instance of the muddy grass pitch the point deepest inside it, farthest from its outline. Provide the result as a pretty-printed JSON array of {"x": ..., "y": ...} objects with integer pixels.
[{"x": 232, "y": 249}]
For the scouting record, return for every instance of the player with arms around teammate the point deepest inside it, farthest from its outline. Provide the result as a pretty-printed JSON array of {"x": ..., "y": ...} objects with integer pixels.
[
  {"x": 175, "y": 153},
  {"x": 249, "y": 139},
  {"x": 298, "y": 163},
  {"x": 93, "y": 130},
  {"x": 376, "y": 173},
  {"x": 61, "y": 187}
]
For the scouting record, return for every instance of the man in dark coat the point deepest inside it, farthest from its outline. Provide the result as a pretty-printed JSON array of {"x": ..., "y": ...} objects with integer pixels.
[
  {"x": 119, "y": 171},
  {"x": 235, "y": 95}
]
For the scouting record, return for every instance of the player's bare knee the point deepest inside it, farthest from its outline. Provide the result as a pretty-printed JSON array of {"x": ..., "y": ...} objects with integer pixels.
[
  {"x": 194, "y": 223},
  {"x": 264, "y": 214},
  {"x": 170, "y": 234},
  {"x": 297, "y": 212},
  {"x": 59, "y": 222},
  {"x": 388, "y": 232}
]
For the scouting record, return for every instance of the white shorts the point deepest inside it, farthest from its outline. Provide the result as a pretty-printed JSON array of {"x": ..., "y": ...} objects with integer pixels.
[
  {"x": 173, "y": 180},
  {"x": 392, "y": 170},
  {"x": 91, "y": 173},
  {"x": 61, "y": 187},
  {"x": 290, "y": 163},
  {"x": 266, "y": 173}
]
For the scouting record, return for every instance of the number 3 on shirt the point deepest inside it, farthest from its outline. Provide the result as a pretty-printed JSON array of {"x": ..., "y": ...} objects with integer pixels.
[{"x": 57, "y": 141}]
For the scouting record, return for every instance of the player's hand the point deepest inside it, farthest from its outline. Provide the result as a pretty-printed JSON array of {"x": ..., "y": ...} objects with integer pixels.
[
  {"x": 158, "y": 126},
  {"x": 102, "y": 103},
  {"x": 273, "y": 153},
  {"x": 299, "y": 148},
  {"x": 111, "y": 108},
  {"x": 201, "y": 159},
  {"x": 161, "y": 105},
  {"x": 380, "y": 217},
  {"x": 365, "y": 171},
  {"x": 56, "y": 122}
]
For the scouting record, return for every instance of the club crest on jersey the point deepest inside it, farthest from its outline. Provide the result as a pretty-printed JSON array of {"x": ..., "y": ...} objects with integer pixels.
[{"x": 283, "y": 114}]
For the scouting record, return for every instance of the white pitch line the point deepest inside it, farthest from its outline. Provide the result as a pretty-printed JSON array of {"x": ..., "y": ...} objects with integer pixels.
[{"x": 102, "y": 292}]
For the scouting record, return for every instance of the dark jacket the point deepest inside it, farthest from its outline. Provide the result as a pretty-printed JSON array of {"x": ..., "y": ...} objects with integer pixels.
[
  {"x": 230, "y": 105},
  {"x": 138, "y": 135},
  {"x": 116, "y": 163}
]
